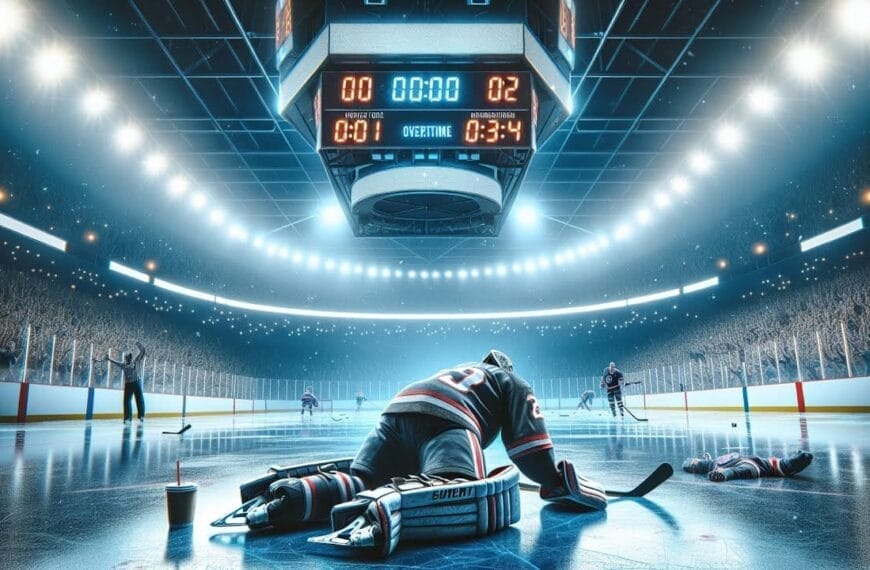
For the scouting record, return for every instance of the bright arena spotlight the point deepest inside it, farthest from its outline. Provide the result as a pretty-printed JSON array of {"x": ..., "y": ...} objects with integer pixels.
[
  {"x": 762, "y": 99},
  {"x": 96, "y": 102},
  {"x": 12, "y": 20},
  {"x": 527, "y": 215},
  {"x": 155, "y": 164},
  {"x": 53, "y": 64},
  {"x": 700, "y": 162},
  {"x": 729, "y": 137},
  {"x": 853, "y": 18},
  {"x": 806, "y": 61},
  {"x": 331, "y": 215},
  {"x": 680, "y": 184},
  {"x": 128, "y": 137},
  {"x": 217, "y": 217},
  {"x": 178, "y": 185}
]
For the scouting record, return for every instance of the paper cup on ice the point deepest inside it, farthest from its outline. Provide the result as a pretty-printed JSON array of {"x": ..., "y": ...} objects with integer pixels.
[{"x": 181, "y": 504}]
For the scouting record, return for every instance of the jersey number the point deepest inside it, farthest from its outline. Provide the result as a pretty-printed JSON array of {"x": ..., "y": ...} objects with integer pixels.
[{"x": 463, "y": 380}]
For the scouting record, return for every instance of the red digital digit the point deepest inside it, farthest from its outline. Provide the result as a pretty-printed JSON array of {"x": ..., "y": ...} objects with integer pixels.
[
  {"x": 516, "y": 127},
  {"x": 360, "y": 131},
  {"x": 472, "y": 131},
  {"x": 348, "y": 88},
  {"x": 463, "y": 380},
  {"x": 494, "y": 89},
  {"x": 364, "y": 91},
  {"x": 377, "y": 137},
  {"x": 339, "y": 133},
  {"x": 512, "y": 83},
  {"x": 492, "y": 126}
]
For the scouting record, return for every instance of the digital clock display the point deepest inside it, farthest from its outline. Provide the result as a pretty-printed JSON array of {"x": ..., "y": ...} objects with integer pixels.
[{"x": 381, "y": 109}]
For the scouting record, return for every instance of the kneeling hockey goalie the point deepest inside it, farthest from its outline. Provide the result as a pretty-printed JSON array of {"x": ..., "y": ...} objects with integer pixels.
[
  {"x": 420, "y": 474},
  {"x": 736, "y": 466}
]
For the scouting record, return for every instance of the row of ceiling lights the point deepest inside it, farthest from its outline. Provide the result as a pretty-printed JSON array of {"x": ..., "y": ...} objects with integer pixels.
[{"x": 804, "y": 60}]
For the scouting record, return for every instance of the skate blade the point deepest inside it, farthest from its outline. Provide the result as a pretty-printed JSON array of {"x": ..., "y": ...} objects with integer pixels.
[{"x": 238, "y": 516}]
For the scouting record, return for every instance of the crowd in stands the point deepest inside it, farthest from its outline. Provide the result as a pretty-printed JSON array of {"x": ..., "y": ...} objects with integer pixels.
[
  {"x": 59, "y": 312},
  {"x": 766, "y": 338}
]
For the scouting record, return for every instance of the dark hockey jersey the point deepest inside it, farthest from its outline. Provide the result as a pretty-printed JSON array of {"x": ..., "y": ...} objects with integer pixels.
[
  {"x": 484, "y": 399},
  {"x": 611, "y": 379},
  {"x": 309, "y": 399}
]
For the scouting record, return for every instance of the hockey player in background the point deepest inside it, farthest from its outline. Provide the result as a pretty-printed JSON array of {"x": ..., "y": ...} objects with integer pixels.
[
  {"x": 360, "y": 398},
  {"x": 736, "y": 466},
  {"x": 309, "y": 401},
  {"x": 421, "y": 472},
  {"x": 586, "y": 400},
  {"x": 612, "y": 380}
]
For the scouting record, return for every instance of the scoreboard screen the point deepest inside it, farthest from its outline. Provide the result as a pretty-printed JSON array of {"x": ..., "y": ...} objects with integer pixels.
[{"x": 409, "y": 109}]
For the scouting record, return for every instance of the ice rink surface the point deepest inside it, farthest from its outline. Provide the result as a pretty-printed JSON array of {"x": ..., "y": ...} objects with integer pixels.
[{"x": 77, "y": 495}]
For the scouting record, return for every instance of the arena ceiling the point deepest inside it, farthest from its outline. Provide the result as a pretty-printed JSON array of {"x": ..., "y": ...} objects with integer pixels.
[{"x": 651, "y": 79}]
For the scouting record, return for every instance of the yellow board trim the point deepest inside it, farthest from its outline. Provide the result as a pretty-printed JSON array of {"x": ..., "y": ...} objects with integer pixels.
[{"x": 810, "y": 409}]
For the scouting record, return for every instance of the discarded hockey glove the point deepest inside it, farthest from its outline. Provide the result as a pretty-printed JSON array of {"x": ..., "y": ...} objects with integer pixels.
[{"x": 575, "y": 490}]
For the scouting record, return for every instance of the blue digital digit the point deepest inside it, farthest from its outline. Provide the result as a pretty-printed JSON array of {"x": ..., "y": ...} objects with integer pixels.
[
  {"x": 415, "y": 92},
  {"x": 399, "y": 88},
  {"x": 436, "y": 89},
  {"x": 452, "y": 92}
]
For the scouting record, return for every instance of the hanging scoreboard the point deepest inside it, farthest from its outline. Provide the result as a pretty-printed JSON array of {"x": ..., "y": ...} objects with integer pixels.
[
  {"x": 425, "y": 114},
  {"x": 417, "y": 109}
]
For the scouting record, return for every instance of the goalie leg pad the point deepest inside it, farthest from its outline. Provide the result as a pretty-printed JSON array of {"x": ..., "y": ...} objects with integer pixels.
[
  {"x": 306, "y": 499},
  {"x": 422, "y": 508},
  {"x": 575, "y": 490},
  {"x": 260, "y": 486}
]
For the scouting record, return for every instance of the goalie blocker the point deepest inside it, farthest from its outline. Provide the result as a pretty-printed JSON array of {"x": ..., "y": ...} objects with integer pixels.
[{"x": 421, "y": 508}]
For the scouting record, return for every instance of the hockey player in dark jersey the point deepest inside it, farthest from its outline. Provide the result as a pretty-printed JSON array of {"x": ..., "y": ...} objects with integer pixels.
[
  {"x": 309, "y": 401},
  {"x": 431, "y": 435},
  {"x": 735, "y": 466},
  {"x": 586, "y": 400},
  {"x": 612, "y": 380}
]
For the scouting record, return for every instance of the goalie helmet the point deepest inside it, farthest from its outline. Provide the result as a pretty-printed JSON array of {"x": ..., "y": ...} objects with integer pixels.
[{"x": 500, "y": 359}]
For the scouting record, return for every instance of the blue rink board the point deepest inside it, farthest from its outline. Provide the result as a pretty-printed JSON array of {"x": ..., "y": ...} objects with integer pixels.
[{"x": 80, "y": 495}]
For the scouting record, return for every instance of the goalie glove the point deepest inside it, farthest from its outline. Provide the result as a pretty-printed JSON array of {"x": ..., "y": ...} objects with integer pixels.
[{"x": 575, "y": 490}]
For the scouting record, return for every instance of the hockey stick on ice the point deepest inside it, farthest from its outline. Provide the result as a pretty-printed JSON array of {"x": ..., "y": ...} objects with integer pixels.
[
  {"x": 634, "y": 416},
  {"x": 656, "y": 478},
  {"x": 179, "y": 432}
]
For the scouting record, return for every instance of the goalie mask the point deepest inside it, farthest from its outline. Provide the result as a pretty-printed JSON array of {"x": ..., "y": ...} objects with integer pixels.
[{"x": 500, "y": 359}]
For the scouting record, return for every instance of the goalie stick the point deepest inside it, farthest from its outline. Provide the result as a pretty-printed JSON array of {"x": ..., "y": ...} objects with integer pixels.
[
  {"x": 179, "y": 432},
  {"x": 656, "y": 478}
]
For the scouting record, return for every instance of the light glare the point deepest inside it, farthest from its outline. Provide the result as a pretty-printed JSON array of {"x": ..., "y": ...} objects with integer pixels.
[
  {"x": 729, "y": 137},
  {"x": 52, "y": 65},
  {"x": 178, "y": 185},
  {"x": 11, "y": 20},
  {"x": 806, "y": 61},
  {"x": 128, "y": 137},
  {"x": 762, "y": 100},
  {"x": 853, "y": 16},
  {"x": 217, "y": 217},
  {"x": 156, "y": 164},
  {"x": 527, "y": 215},
  {"x": 331, "y": 215},
  {"x": 96, "y": 102},
  {"x": 700, "y": 162}
]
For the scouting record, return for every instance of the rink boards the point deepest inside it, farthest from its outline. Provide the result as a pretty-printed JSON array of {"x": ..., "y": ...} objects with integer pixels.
[{"x": 40, "y": 402}]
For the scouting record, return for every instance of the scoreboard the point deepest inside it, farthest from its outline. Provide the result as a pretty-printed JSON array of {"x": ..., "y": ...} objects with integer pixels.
[
  {"x": 425, "y": 114},
  {"x": 425, "y": 109}
]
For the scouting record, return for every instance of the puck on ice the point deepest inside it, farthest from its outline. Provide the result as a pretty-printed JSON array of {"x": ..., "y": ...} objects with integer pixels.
[{"x": 733, "y": 424}]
